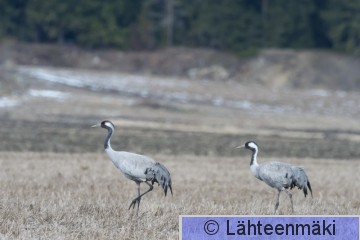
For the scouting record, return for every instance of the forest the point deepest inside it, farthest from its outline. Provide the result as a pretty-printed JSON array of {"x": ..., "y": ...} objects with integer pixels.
[{"x": 240, "y": 27}]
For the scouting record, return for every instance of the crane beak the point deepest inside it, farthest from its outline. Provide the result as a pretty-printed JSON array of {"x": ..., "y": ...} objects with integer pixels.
[
  {"x": 96, "y": 125},
  {"x": 242, "y": 146}
]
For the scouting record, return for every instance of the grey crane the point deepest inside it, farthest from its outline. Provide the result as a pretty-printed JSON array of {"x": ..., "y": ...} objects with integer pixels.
[
  {"x": 282, "y": 176},
  {"x": 136, "y": 167}
]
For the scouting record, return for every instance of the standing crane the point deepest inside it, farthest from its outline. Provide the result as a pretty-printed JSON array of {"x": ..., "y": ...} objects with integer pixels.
[
  {"x": 281, "y": 176},
  {"x": 136, "y": 167}
]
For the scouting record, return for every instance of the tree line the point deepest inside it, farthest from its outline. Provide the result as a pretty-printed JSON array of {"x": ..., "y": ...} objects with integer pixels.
[{"x": 239, "y": 26}]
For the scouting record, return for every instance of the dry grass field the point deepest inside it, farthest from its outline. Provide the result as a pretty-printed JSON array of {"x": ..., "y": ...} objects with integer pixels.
[{"x": 83, "y": 196}]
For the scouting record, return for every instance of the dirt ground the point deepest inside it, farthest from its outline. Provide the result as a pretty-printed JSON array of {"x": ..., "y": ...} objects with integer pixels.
[{"x": 272, "y": 68}]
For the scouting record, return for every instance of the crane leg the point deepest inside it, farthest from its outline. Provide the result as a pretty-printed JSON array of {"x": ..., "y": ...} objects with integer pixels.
[
  {"x": 277, "y": 201},
  {"x": 138, "y": 201},
  {"x": 138, "y": 198},
  {"x": 290, "y": 196}
]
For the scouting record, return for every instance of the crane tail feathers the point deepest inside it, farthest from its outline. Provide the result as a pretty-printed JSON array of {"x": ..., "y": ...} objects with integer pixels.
[
  {"x": 301, "y": 180},
  {"x": 309, "y": 186},
  {"x": 159, "y": 173}
]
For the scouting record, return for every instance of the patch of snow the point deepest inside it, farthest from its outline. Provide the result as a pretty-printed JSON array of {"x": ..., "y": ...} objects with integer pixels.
[
  {"x": 47, "y": 94},
  {"x": 100, "y": 80},
  {"x": 6, "y": 102},
  {"x": 240, "y": 104},
  {"x": 53, "y": 76},
  {"x": 150, "y": 87}
]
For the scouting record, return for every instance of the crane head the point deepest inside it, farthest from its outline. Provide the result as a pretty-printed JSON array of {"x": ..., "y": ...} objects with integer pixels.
[
  {"x": 105, "y": 124},
  {"x": 251, "y": 145}
]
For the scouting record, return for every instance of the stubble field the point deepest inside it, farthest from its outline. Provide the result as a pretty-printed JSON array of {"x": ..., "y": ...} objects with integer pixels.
[{"x": 83, "y": 196}]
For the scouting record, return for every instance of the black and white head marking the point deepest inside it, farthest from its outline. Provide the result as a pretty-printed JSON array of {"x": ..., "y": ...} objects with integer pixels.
[
  {"x": 108, "y": 125},
  {"x": 251, "y": 146}
]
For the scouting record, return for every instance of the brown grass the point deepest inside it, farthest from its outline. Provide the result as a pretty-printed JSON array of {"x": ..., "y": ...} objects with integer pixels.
[{"x": 83, "y": 196}]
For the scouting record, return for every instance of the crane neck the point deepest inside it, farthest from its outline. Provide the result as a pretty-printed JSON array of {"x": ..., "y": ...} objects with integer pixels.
[
  {"x": 254, "y": 158},
  {"x": 108, "y": 137}
]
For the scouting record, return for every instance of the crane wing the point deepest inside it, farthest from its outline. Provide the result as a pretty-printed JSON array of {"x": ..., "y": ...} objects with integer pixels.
[
  {"x": 132, "y": 165},
  {"x": 276, "y": 174},
  {"x": 141, "y": 168},
  {"x": 283, "y": 175}
]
